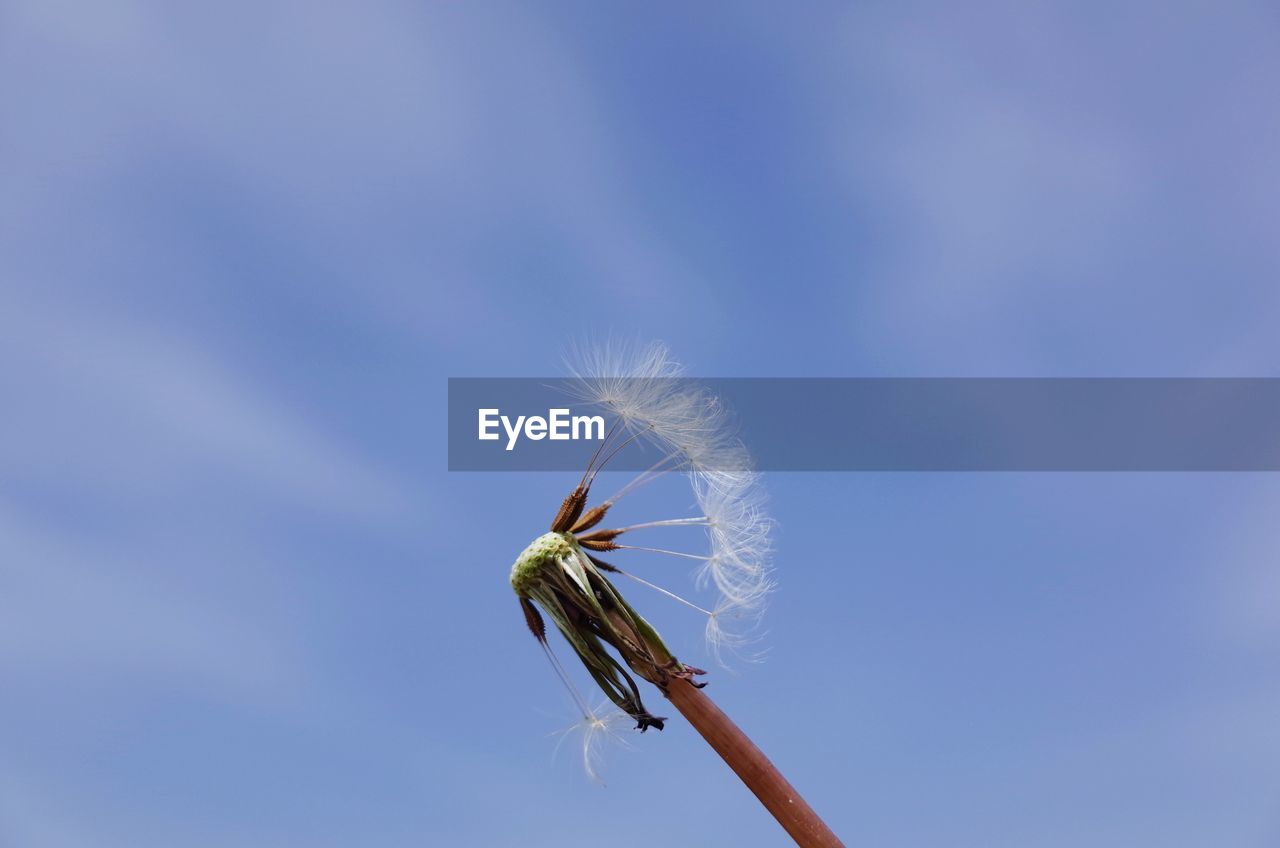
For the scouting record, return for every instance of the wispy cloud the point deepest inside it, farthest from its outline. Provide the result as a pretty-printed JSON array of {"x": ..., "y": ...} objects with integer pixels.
[
  {"x": 29, "y": 818},
  {"x": 1039, "y": 183},
  {"x": 121, "y": 406},
  {"x": 1242, "y": 575},
  {"x": 99, "y": 619},
  {"x": 370, "y": 142}
]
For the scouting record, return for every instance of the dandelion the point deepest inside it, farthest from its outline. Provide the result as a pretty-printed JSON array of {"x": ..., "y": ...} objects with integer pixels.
[{"x": 563, "y": 574}]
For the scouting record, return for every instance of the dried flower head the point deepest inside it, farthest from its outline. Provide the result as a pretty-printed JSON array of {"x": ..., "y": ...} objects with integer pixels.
[{"x": 562, "y": 573}]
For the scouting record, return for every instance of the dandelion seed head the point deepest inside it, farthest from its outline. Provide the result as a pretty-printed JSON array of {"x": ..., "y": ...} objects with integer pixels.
[
  {"x": 640, "y": 385},
  {"x": 549, "y": 547}
]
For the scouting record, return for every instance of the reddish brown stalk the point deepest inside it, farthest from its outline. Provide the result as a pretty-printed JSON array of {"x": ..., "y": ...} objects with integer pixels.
[{"x": 751, "y": 765}]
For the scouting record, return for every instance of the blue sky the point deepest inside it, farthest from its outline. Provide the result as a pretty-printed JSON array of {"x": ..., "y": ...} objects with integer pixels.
[{"x": 241, "y": 249}]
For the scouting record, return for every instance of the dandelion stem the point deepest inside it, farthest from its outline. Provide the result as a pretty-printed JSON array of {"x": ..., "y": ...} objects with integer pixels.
[{"x": 751, "y": 765}]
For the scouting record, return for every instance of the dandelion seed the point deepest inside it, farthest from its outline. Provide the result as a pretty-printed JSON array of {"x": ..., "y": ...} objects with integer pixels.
[
  {"x": 597, "y": 729},
  {"x": 728, "y": 625},
  {"x": 696, "y": 521},
  {"x": 666, "y": 592},
  {"x": 680, "y": 554}
]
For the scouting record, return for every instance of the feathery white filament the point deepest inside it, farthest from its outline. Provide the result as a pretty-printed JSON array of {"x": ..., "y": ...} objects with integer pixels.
[
  {"x": 695, "y": 521},
  {"x": 739, "y": 529},
  {"x": 648, "y": 476},
  {"x": 596, "y": 729},
  {"x": 728, "y": 625},
  {"x": 667, "y": 592},
  {"x": 680, "y": 554},
  {"x": 578, "y": 700}
]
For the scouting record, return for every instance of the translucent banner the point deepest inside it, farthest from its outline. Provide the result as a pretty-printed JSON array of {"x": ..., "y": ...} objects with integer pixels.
[{"x": 918, "y": 424}]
